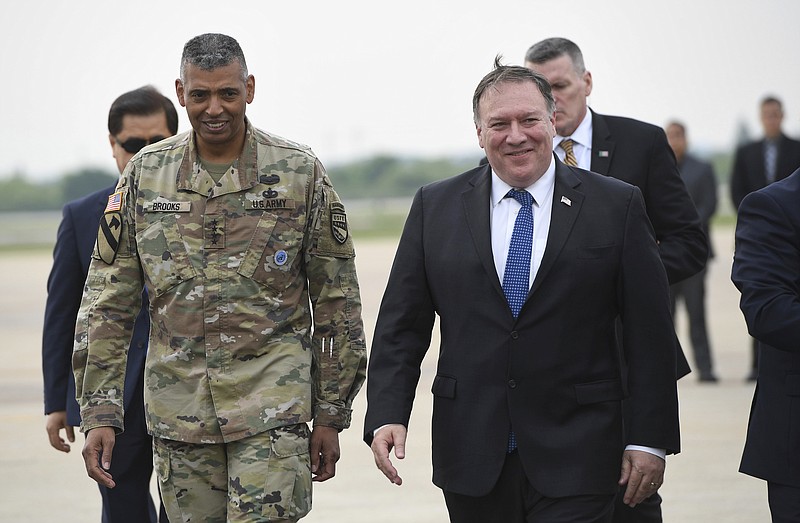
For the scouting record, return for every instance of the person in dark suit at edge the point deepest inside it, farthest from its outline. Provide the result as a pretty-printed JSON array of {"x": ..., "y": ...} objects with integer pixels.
[
  {"x": 759, "y": 163},
  {"x": 635, "y": 152},
  {"x": 528, "y": 263},
  {"x": 702, "y": 186},
  {"x": 136, "y": 118},
  {"x": 766, "y": 270}
]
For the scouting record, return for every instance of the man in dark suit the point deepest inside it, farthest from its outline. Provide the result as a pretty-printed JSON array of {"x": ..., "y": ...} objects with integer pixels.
[
  {"x": 766, "y": 269},
  {"x": 527, "y": 422},
  {"x": 702, "y": 186},
  {"x": 635, "y": 152},
  {"x": 135, "y": 119},
  {"x": 760, "y": 163}
]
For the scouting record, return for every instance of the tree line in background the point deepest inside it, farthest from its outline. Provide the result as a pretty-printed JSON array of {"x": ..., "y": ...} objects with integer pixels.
[{"x": 381, "y": 176}]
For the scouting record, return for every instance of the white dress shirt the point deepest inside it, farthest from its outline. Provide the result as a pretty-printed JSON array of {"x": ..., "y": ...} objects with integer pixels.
[
  {"x": 581, "y": 143},
  {"x": 503, "y": 213}
]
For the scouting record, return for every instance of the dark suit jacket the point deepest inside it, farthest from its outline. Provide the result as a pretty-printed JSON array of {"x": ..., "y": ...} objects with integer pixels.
[
  {"x": 702, "y": 186},
  {"x": 74, "y": 244},
  {"x": 766, "y": 269},
  {"x": 553, "y": 373},
  {"x": 638, "y": 153},
  {"x": 749, "y": 173}
]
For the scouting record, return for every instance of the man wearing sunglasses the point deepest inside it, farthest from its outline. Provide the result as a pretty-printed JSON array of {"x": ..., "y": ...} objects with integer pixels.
[{"x": 136, "y": 118}]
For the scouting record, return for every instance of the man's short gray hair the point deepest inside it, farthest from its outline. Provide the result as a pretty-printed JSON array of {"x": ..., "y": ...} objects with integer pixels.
[{"x": 210, "y": 51}]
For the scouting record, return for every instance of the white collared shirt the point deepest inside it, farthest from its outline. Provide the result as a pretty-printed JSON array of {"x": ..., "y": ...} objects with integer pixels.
[
  {"x": 503, "y": 213},
  {"x": 582, "y": 143}
]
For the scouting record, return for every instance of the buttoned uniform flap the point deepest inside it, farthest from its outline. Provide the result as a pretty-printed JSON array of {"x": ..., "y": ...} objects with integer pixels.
[
  {"x": 792, "y": 384},
  {"x": 163, "y": 252},
  {"x": 161, "y": 460},
  {"x": 274, "y": 254},
  {"x": 599, "y": 391},
  {"x": 444, "y": 386},
  {"x": 290, "y": 441}
]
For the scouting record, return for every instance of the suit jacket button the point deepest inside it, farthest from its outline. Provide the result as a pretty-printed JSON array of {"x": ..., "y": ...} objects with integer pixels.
[
  {"x": 512, "y": 384},
  {"x": 514, "y": 335}
]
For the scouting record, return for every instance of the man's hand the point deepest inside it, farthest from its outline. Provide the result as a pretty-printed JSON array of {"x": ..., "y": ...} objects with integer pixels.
[
  {"x": 644, "y": 474},
  {"x": 388, "y": 437},
  {"x": 324, "y": 452},
  {"x": 97, "y": 454},
  {"x": 55, "y": 422}
]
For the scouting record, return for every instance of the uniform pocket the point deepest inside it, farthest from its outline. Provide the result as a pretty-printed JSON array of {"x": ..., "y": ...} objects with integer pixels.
[
  {"x": 163, "y": 252},
  {"x": 287, "y": 491},
  {"x": 274, "y": 256},
  {"x": 162, "y": 467}
]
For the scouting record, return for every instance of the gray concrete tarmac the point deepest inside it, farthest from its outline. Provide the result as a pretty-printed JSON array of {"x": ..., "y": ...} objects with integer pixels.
[{"x": 39, "y": 484}]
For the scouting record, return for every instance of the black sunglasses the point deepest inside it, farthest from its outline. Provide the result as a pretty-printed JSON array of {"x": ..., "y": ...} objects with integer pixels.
[{"x": 134, "y": 145}]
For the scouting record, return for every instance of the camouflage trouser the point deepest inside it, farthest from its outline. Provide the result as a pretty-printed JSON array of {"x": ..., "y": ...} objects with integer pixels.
[{"x": 266, "y": 477}]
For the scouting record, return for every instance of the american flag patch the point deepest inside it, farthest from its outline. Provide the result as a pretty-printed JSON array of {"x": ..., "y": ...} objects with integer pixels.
[{"x": 114, "y": 202}]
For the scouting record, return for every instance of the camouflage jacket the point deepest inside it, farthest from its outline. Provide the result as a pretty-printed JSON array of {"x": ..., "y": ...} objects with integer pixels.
[{"x": 234, "y": 271}]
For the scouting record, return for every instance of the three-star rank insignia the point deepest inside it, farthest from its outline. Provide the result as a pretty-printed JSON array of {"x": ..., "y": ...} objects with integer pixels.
[
  {"x": 338, "y": 222},
  {"x": 110, "y": 228}
]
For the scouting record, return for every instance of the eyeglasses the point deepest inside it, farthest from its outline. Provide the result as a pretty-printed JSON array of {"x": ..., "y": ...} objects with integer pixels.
[{"x": 134, "y": 145}]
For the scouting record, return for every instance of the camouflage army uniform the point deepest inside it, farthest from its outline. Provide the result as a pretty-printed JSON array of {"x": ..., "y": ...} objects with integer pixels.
[{"x": 234, "y": 270}]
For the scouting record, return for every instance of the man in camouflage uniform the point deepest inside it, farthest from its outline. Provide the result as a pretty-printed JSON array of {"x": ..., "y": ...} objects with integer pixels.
[{"x": 238, "y": 237}]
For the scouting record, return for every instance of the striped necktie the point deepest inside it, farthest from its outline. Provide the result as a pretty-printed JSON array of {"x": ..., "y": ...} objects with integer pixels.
[{"x": 569, "y": 156}]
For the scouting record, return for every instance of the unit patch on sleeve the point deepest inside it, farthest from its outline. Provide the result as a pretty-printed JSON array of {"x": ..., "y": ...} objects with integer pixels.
[
  {"x": 338, "y": 222},
  {"x": 110, "y": 230}
]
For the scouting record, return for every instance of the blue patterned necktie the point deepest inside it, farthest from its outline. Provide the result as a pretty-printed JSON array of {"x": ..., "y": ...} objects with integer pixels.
[{"x": 516, "y": 277}]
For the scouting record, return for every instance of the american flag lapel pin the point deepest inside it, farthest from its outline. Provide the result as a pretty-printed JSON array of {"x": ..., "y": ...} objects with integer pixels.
[
  {"x": 602, "y": 154},
  {"x": 566, "y": 201}
]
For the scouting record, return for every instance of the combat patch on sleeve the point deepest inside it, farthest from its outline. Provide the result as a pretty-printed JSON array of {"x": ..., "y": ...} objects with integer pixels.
[
  {"x": 333, "y": 235},
  {"x": 110, "y": 230},
  {"x": 338, "y": 222}
]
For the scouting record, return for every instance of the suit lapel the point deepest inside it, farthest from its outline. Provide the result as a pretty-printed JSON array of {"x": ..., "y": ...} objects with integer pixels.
[
  {"x": 602, "y": 145},
  {"x": 476, "y": 212},
  {"x": 567, "y": 202}
]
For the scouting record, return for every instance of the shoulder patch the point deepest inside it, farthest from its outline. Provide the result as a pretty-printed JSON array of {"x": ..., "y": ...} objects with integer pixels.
[
  {"x": 114, "y": 201},
  {"x": 108, "y": 236},
  {"x": 338, "y": 222}
]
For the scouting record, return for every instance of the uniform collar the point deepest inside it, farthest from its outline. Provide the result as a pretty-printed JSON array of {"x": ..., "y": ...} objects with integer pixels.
[{"x": 242, "y": 175}]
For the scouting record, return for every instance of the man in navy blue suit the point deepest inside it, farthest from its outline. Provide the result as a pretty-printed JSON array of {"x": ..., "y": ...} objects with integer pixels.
[
  {"x": 136, "y": 118},
  {"x": 766, "y": 269}
]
